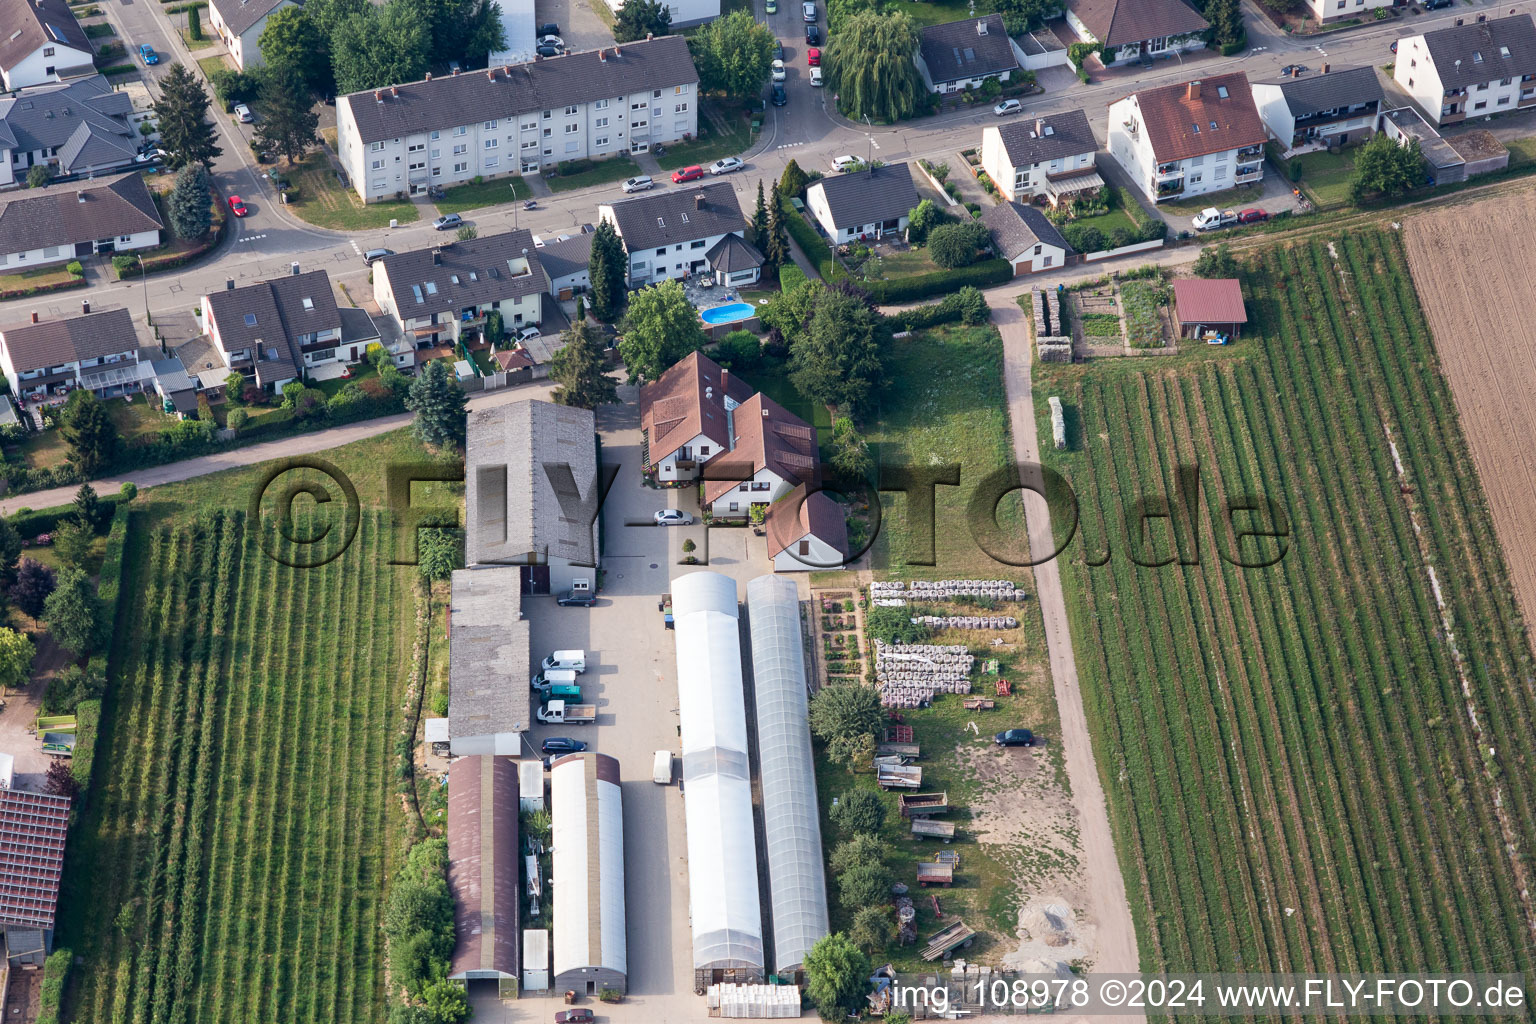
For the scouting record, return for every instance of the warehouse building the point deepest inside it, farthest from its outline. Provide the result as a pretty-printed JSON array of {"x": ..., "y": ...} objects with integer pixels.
[
  {"x": 797, "y": 883},
  {"x": 488, "y": 663},
  {"x": 722, "y": 852},
  {"x": 587, "y": 818},
  {"x": 482, "y": 870}
]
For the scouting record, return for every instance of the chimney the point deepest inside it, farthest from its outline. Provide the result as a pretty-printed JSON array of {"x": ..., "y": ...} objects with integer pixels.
[
  {"x": 616, "y": 51},
  {"x": 1194, "y": 90},
  {"x": 394, "y": 91},
  {"x": 490, "y": 74},
  {"x": 293, "y": 268},
  {"x": 79, "y": 197},
  {"x": 698, "y": 201},
  {"x": 429, "y": 76},
  {"x": 1459, "y": 22},
  {"x": 34, "y": 312},
  {"x": 981, "y": 28},
  {"x": 1325, "y": 69},
  {"x": 1039, "y": 127},
  {"x": 725, "y": 380},
  {"x": 437, "y": 257},
  {"x": 602, "y": 56},
  {"x": 378, "y": 95},
  {"x": 649, "y": 36},
  {"x": 229, "y": 284},
  {"x": 85, "y": 307},
  {"x": 1482, "y": 18}
]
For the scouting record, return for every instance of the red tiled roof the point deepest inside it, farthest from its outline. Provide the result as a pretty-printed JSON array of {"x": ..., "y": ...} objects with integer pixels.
[
  {"x": 1179, "y": 118},
  {"x": 32, "y": 831},
  {"x": 819, "y": 516},
  {"x": 483, "y": 860},
  {"x": 1201, "y": 301},
  {"x": 687, "y": 401},
  {"x": 768, "y": 436},
  {"x": 512, "y": 359}
]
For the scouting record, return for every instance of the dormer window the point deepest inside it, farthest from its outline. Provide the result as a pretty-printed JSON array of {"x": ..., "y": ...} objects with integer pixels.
[
  {"x": 250, "y": 319},
  {"x": 309, "y": 303},
  {"x": 1477, "y": 56},
  {"x": 1196, "y": 128},
  {"x": 1221, "y": 91}
]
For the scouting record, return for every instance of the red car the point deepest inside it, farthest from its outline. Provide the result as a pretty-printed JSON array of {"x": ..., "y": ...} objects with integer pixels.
[
  {"x": 573, "y": 1016},
  {"x": 1252, "y": 216},
  {"x": 813, "y": 57},
  {"x": 687, "y": 174},
  {"x": 237, "y": 205}
]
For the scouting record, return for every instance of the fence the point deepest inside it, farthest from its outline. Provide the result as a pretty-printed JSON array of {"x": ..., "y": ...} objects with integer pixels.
[{"x": 1124, "y": 250}]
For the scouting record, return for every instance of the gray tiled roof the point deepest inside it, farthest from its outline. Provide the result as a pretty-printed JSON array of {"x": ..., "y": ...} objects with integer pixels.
[
  {"x": 469, "y": 273},
  {"x": 1034, "y": 140},
  {"x": 679, "y": 215},
  {"x": 78, "y": 212},
  {"x": 1343, "y": 87},
  {"x": 30, "y": 24},
  {"x": 519, "y": 88},
  {"x": 733, "y": 254},
  {"x": 564, "y": 257},
  {"x": 1117, "y": 22},
  {"x": 275, "y": 313},
  {"x": 1481, "y": 48},
  {"x": 488, "y": 654},
  {"x": 51, "y": 342},
  {"x": 1016, "y": 227},
  {"x": 84, "y": 119},
  {"x": 240, "y": 15},
  {"x": 866, "y": 197},
  {"x": 957, "y": 49}
]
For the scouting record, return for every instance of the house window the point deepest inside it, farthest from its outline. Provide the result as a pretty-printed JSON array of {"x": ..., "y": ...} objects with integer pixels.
[
  {"x": 1037, "y": 250},
  {"x": 378, "y": 165},
  {"x": 741, "y": 488},
  {"x": 1479, "y": 105},
  {"x": 492, "y": 161},
  {"x": 656, "y": 94},
  {"x": 734, "y": 506},
  {"x": 639, "y": 124},
  {"x": 570, "y": 110},
  {"x": 460, "y": 168},
  {"x": 600, "y": 105},
  {"x": 696, "y": 245},
  {"x": 490, "y": 124},
  {"x": 703, "y": 450},
  {"x": 759, "y": 485},
  {"x": 436, "y": 136},
  {"x": 601, "y": 122},
  {"x": 437, "y": 172},
  {"x": 378, "y": 184},
  {"x": 51, "y": 251},
  {"x": 460, "y": 130},
  {"x": 531, "y": 144},
  {"x": 572, "y": 129},
  {"x": 681, "y": 108},
  {"x": 492, "y": 143},
  {"x": 436, "y": 152},
  {"x": 461, "y": 149},
  {"x": 573, "y": 146},
  {"x": 375, "y": 147},
  {"x": 601, "y": 142},
  {"x": 416, "y": 147},
  {"x": 548, "y": 132},
  {"x": 805, "y": 547},
  {"x": 1047, "y": 261},
  {"x": 662, "y": 251}
]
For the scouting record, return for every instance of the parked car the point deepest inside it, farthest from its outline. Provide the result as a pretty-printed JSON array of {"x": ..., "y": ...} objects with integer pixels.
[
  {"x": 1294, "y": 69},
  {"x": 1252, "y": 215},
  {"x": 661, "y": 768},
  {"x": 552, "y": 40},
  {"x": 561, "y": 712},
  {"x": 673, "y": 517},
  {"x": 573, "y": 1017},
  {"x": 840, "y": 164},
  {"x": 683, "y": 174},
  {"x": 373, "y": 256},
  {"x": 778, "y": 50},
  {"x": 148, "y": 53},
  {"x": 1211, "y": 218},
  {"x": 447, "y": 221},
  {"x": 1435, "y": 5},
  {"x": 551, "y": 678},
  {"x": 813, "y": 35},
  {"x": 808, "y": 10},
  {"x": 771, "y": 6},
  {"x": 243, "y": 114},
  {"x": 565, "y": 745},
  {"x": 1015, "y": 738},
  {"x": 726, "y": 165},
  {"x": 548, "y": 51},
  {"x": 638, "y": 184},
  {"x": 816, "y": 77},
  {"x": 1393, "y": 47},
  {"x": 779, "y": 74},
  {"x": 574, "y": 661},
  {"x": 577, "y": 599},
  {"x": 237, "y": 206},
  {"x": 779, "y": 97},
  {"x": 527, "y": 333},
  {"x": 1007, "y": 107}
]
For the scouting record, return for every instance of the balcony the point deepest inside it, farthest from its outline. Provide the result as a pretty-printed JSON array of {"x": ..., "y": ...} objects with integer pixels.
[
  {"x": 1165, "y": 171},
  {"x": 1243, "y": 177},
  {"x": 1250, "y": 154},
  {"x": 1170, "y": 188}
]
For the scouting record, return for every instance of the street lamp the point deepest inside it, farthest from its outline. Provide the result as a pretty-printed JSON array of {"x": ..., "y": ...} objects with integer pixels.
[{"x": 513, "y": 186}]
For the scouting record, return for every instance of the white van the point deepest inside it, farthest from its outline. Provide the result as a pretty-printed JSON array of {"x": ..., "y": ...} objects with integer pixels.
[
  {"x": 575, "y": 661},
  {"x": 661, "y": 771},
  {"x": 553, "y": 677}
]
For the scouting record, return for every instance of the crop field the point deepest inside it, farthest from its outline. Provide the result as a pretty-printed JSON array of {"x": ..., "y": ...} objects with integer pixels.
[
  {"x": 235, "y": 848},
  {"x": 1325, "y": 764}
]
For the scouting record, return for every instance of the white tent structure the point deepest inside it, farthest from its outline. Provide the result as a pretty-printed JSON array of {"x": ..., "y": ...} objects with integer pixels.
[
  {"x": 587, "y": 840},
  {"x": 797, "y": 881},
  {"x": 722, "y": 852}
]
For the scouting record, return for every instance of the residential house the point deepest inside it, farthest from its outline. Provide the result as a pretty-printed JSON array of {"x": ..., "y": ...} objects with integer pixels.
[
  {"x": 239, "y": 24},
  {"x": 1326, "y": 11},
  {"x": 82, "y": 128},
  {"x": 1469, "y": 69},
  {"x": 443, "y": 295},
  {"x": 99, "y": 351},
  {"x": 33, "y": 830},
  {"x": 1024, "y": 237},
  {"x": 960, "y": 55},
  {"x": 517, "y": 118},
  {"x": 566, "y": 260},
  {"x": 1050, "y": 157},
  {"x": 772, "y": 451},
  {"x": 1137, "y": 29},
  {"x": 684, "y": 231},
  {"x": 1448, "y": 159},
  {"x": 68, "y": 221},
  {"x": 1181, "y": 141},
  {"x": 867, "y": 203},
  {"x": 685, "y": 417},
  {"x": 533, "y": 493},
  {"x": 278, "y": 330},
  {"x": 1334, "y": 108},
  {"x": 40, "y": 41},
  {"x": 685, "y": 13},
  {"x": 1204, "y": 306},
  {"x": 807, "y": 533}
]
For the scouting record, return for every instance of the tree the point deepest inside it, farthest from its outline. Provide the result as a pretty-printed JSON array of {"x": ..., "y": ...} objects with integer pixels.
[
  {"x": 733, "y": 54},
  {"x": 186, "y": 133},
  {"x": 1019, "y": 16},
  {"x": 639, "y": 18},
  {"x": 40, "y": 176},
  {"x": 863, "y": 885},
  {"x": 776, "y": 246},
  {"x": 850, "y": 452},
  {"x": 438, "y": 552},
  {"x": 661, "y": 327},
  {"x": 234, "y": 387},
  {"x": 606, "y": 269},
  {"x": 447, "y": 1002},
  {"x": 869, "y": 67},
  {"x": 760, "y": 219},
  {"x": 973, "y": 306},
  {"x": 1226, "y": 18},
  {"x": 10, "y": 549},
  {"x": 860, "y": 848},
  {"x": 88, "y": 508},
  {"x": 72, "y": 542},
  {"x": 871, "y": 929},
  {"x": 72, "y": 685},
  {"x": 1384, "y": 168},
  {"x": 60, "y": 780},
  {"x": 291, "y": 44},
  {"x": 837, "y": 976},
  {"x": 955, "y": 245},
  {"x": 578, "y": 368},
  {"x": 379, "y": 46},
  {"x": 73, "y": 612},
  {"x": 793, "y": 182},
  {"x": 858, "y": 810},
  {"x": 16, "y": 651},
  {"x": 188, "y": 207},
  {"x": 839, "y": 360},
  {"x": 738, "y": 350},
  {"x": 923, "y": 219},
  {"x": 847, "y": 717},
  {"x": 34, "y": 582},
  {"x": 288, "y": 118},
  {"x": 194, "y": 24},
  {"x": 439, "y": 404},
  {"x": 1216, "y": 261},
  {"x": 895, "y": 626},
  {"x": 460, "y": 27},
  {"x": 89, "y": 432}
]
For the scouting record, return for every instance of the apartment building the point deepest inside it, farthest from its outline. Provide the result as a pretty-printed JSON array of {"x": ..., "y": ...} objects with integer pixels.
[
  {"x": 1327, "y": 11},
  {"x": 1050, "y": 157},
  {"x": 99, "y": 351},
  {"x": 1185, "y": 140},
  {"x": 690, "y": 230},
  {"x": 517, "y": 118},
  {"x": 1471, "y": 69},
  {"x": 1337, "y": 107}
]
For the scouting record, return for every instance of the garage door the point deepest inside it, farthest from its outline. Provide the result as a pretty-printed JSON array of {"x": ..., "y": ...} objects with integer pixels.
[{"x": 535, "y": 579}]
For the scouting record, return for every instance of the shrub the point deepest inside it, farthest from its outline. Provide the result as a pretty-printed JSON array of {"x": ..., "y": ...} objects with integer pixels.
[
  {"x": 55, "y": 973},
  {"x": 895, "y": 626},
  {"x": 237, "y": 419},
  {"x": 858, "y": 810},
  {"x": 941, "y": 282},
  {"x": 74, "y": 268},
  {"x": 124, "y": 263},
  {"x": 574, "y": 166},
  {"x": 129, "y": 490},
  {"x": 954, "y": 245},
  {"x": 1085, "y": 238},
  {"x": 791, "y": 277}
]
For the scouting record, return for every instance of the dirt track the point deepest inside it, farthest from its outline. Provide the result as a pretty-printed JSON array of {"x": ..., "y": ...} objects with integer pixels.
[{"x": 1471, "y": 266}]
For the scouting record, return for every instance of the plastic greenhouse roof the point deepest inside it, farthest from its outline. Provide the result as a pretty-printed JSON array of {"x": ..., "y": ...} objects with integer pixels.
[
  {"x": 796, "y": 879},
  {"x": 722, "y": 850}
]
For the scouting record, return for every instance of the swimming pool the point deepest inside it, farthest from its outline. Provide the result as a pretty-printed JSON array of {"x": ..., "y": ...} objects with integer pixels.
[{"x": 727, "y": 314}]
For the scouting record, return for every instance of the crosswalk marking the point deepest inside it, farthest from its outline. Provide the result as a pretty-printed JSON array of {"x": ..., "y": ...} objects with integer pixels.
[{"x": 252, "y": 238}]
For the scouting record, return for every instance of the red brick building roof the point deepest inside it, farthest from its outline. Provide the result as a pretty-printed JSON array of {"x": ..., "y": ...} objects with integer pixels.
[
  {"x": 1200, "y": 301},
  {"x": 32, "y": 831},
  {"x": 687, "y": 401},
  {"x": 819, "y": 516},
  {"x": 1208, "y": 115}
]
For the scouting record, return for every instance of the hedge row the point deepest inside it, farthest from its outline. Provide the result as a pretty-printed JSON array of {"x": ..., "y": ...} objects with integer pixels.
[
  {"x": 43, "y": 289},
  {"x": 30, "y": 523},
  {"x": 111, "y": 579},
  {"x": 812, "y": 244},
  {"x": 940, "y": 282},
  {"x": 55, "y": 973},
  {"x": 87, "y": 726},
  {"x": 119, "y": 69},
  {"x": 791, "y": 277},
  {"x": 953, "y": 308}
]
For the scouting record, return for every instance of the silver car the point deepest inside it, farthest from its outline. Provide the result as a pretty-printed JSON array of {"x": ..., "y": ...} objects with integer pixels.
[{"x": 639, "y": 184}]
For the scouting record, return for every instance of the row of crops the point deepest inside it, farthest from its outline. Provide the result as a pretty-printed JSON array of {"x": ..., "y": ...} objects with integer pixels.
[
  {"x": 1303, "y": 773},
  {"x": 235, "y": 844}
]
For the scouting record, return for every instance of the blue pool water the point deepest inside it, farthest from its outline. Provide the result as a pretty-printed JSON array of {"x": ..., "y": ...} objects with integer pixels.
[{"x": 727, "y": 314}]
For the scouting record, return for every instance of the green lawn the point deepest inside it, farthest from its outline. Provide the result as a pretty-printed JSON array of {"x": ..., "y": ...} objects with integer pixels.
[
  {"x": 35, "y": 278},
  {"x": 218, "y": 62},
  {"x": 711, "y": 144},
  {"x": 1227, "y": 199},
  {"x": 1325, "y": 177},
  {"x": 924, "y": 14},
  {"x": 615, "y": 168},
  {"x": 472, "y": 196},
  {"x": 325, "y": 202},
  {"x": 1108, "y": 222},
  {"x": 1522, "y": 152}
]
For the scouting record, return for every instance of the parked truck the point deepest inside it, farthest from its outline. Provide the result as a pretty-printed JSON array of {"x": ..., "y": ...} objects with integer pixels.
[{"x": 558, "y": 712}]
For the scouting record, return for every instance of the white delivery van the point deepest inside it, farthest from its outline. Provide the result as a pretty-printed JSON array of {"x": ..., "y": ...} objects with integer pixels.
[
  {"x": 661, "y": 771},
  {"x": 553, "y": 677},
  {"x": 575, "y": 661}
]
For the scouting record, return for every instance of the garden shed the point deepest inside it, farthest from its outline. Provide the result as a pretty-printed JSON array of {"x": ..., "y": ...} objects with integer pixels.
[{"x": 1204, "y": 306}]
